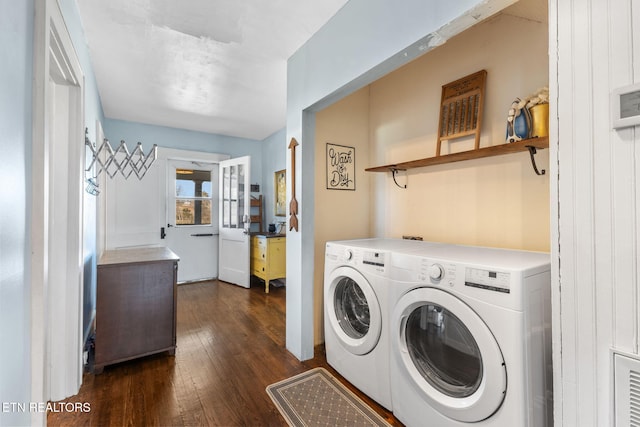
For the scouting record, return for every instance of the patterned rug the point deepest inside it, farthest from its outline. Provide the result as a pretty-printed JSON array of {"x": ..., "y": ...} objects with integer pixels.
[{"x": 316, "y": 398}]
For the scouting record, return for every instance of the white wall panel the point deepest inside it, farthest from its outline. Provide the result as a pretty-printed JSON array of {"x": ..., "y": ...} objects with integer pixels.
[
  {"x": 596, "y": 291},
  {"x": 603, "y": 240},
  {"x": 634, "y": 55},
  {"x": 621, "y": 145}
]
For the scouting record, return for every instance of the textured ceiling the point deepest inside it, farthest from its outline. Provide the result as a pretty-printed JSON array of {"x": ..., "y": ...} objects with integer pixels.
[{"x": 216, "y": 66}]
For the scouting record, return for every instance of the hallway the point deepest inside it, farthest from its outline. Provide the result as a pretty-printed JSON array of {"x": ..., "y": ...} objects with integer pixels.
[{"x": 230, "y": 347}]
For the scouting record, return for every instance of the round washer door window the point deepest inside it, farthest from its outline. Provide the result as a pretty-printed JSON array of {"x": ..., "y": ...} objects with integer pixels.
[
  {"x": 353, "y": 310},
  {"x": 450, "y": 354}
]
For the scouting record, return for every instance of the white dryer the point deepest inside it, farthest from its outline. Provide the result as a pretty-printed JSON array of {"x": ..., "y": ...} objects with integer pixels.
[
  {"x": 471, "y": 337},
  {"x": 356, "y": 312}
]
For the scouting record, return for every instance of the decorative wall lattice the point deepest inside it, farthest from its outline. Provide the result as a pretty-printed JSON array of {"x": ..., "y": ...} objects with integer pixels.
[{"x": 120, "y": 160}]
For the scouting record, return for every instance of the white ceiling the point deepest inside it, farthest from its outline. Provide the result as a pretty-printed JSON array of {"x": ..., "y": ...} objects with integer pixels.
[{"x": 216, "y": 66}]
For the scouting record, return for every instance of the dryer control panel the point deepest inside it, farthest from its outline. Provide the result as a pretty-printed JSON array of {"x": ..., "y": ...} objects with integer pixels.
[
  {"x": 487, "y": 279},
  {"x": 376, "y": 259}
]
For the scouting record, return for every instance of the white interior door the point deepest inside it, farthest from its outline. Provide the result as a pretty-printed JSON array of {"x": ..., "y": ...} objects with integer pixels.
[
  {"x": 192, "y": 226},
  {"x": 234, "y": 221}
]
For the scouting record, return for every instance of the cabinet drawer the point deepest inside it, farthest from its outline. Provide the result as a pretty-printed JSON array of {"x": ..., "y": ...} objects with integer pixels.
[
  {"x": 258, "y": 252},
  {"x": 258, "y": 247},
  {"x": 258, "y": 266},
  {"x": 277, "y": 253}
]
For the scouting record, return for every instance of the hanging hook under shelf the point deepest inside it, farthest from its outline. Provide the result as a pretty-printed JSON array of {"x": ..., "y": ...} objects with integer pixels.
[
  {"x": 532, "y": 152},
  {"x": 394, "y": 171}
]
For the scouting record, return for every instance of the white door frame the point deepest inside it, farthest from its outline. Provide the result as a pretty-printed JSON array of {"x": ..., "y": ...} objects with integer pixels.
[{"x": 55, "y": 61}]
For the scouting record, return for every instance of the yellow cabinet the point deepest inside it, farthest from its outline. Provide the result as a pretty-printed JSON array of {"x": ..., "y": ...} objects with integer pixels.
[{"x": 268, "y": 258}]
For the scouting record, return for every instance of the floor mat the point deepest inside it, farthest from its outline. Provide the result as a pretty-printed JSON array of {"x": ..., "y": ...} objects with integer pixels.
[{"x": 316, "y": 398}]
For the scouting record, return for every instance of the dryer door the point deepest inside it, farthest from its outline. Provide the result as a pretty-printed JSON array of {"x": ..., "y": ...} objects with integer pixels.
[
  {"x": 450, "y": 354},
  {"x": 353, "y": 310}
]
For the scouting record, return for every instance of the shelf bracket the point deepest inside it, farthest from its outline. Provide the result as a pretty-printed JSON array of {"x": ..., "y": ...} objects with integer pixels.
[
  {"x": 394, "y": 171},
  {"x": 532, "y": 152}
]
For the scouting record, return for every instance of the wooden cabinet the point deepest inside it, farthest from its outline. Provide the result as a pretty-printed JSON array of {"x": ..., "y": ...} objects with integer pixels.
[
  {"x": 135, "y": 304},
  {"x": 268, "y": 257}
]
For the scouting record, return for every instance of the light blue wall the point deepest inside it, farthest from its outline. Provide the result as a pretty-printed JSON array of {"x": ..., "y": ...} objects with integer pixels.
[
  {"x": 273, "y": 159},
  {"x": 16, "y": 55},
  {"x": 131, "y": 133},
  {"x": 363, "y": 41},
  {"x": 16, "y": 51}
]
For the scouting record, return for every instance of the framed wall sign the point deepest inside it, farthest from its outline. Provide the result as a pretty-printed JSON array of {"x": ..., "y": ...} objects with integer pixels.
[
  {"x": 280, "y": 187},
  {"x": 625, "y": 106},
  {"x": 341, "y": 167}
]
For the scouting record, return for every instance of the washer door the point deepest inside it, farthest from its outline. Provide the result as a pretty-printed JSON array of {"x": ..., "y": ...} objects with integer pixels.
[
  {"x": 353, "y": 310},
  {"x": 450, "y": 354}
]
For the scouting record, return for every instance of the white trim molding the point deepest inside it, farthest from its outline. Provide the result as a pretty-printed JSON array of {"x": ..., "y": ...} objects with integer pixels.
[{"x": 56, "y": 304}]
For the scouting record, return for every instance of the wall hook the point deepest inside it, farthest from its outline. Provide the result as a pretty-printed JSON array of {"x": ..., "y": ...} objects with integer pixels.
[
  {"x": 532, "y": 152},
  {"x": 393, "y": 174}
]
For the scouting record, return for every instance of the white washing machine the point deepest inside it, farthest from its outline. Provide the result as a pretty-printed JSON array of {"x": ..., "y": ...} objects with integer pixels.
[
  {"x": 356, "y": 312},
  {"x": 471, "y": 337}
]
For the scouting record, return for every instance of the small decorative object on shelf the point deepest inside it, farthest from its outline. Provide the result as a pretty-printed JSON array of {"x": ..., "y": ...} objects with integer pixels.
[
  {"x": 518, "y": 122},
  {"x": 461, "y": 108},
  {"x": 539, "y": 120},
  {"x": 529, "y": 117}
]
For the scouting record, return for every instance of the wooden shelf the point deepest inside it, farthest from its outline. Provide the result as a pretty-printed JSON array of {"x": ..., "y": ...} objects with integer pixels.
[
  {"x": 256, "y": 202},
  {"x": 496, "y": 150}
]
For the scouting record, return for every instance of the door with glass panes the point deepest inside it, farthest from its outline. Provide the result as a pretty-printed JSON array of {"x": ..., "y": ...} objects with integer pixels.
[
  {"x": 234, "y": 221},
  {"x": 192, "y": 226}
]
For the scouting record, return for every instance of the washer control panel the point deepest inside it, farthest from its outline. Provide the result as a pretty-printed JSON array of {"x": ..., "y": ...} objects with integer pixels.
[
  {"x": 437, "y": 273},
  {"x": 348, "y": 254}
]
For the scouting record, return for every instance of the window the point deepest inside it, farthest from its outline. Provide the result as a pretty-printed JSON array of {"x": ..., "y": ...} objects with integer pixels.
[
  {"x": 193, "y": 197},
  {"x": 233, "y": 195}
]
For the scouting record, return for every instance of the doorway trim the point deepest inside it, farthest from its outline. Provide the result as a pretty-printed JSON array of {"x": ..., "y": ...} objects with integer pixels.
[{"x": 55, "y": 63}]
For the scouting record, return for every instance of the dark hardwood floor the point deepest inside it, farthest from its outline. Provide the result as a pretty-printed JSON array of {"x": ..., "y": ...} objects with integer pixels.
[{"x": 231, "y": 346}]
